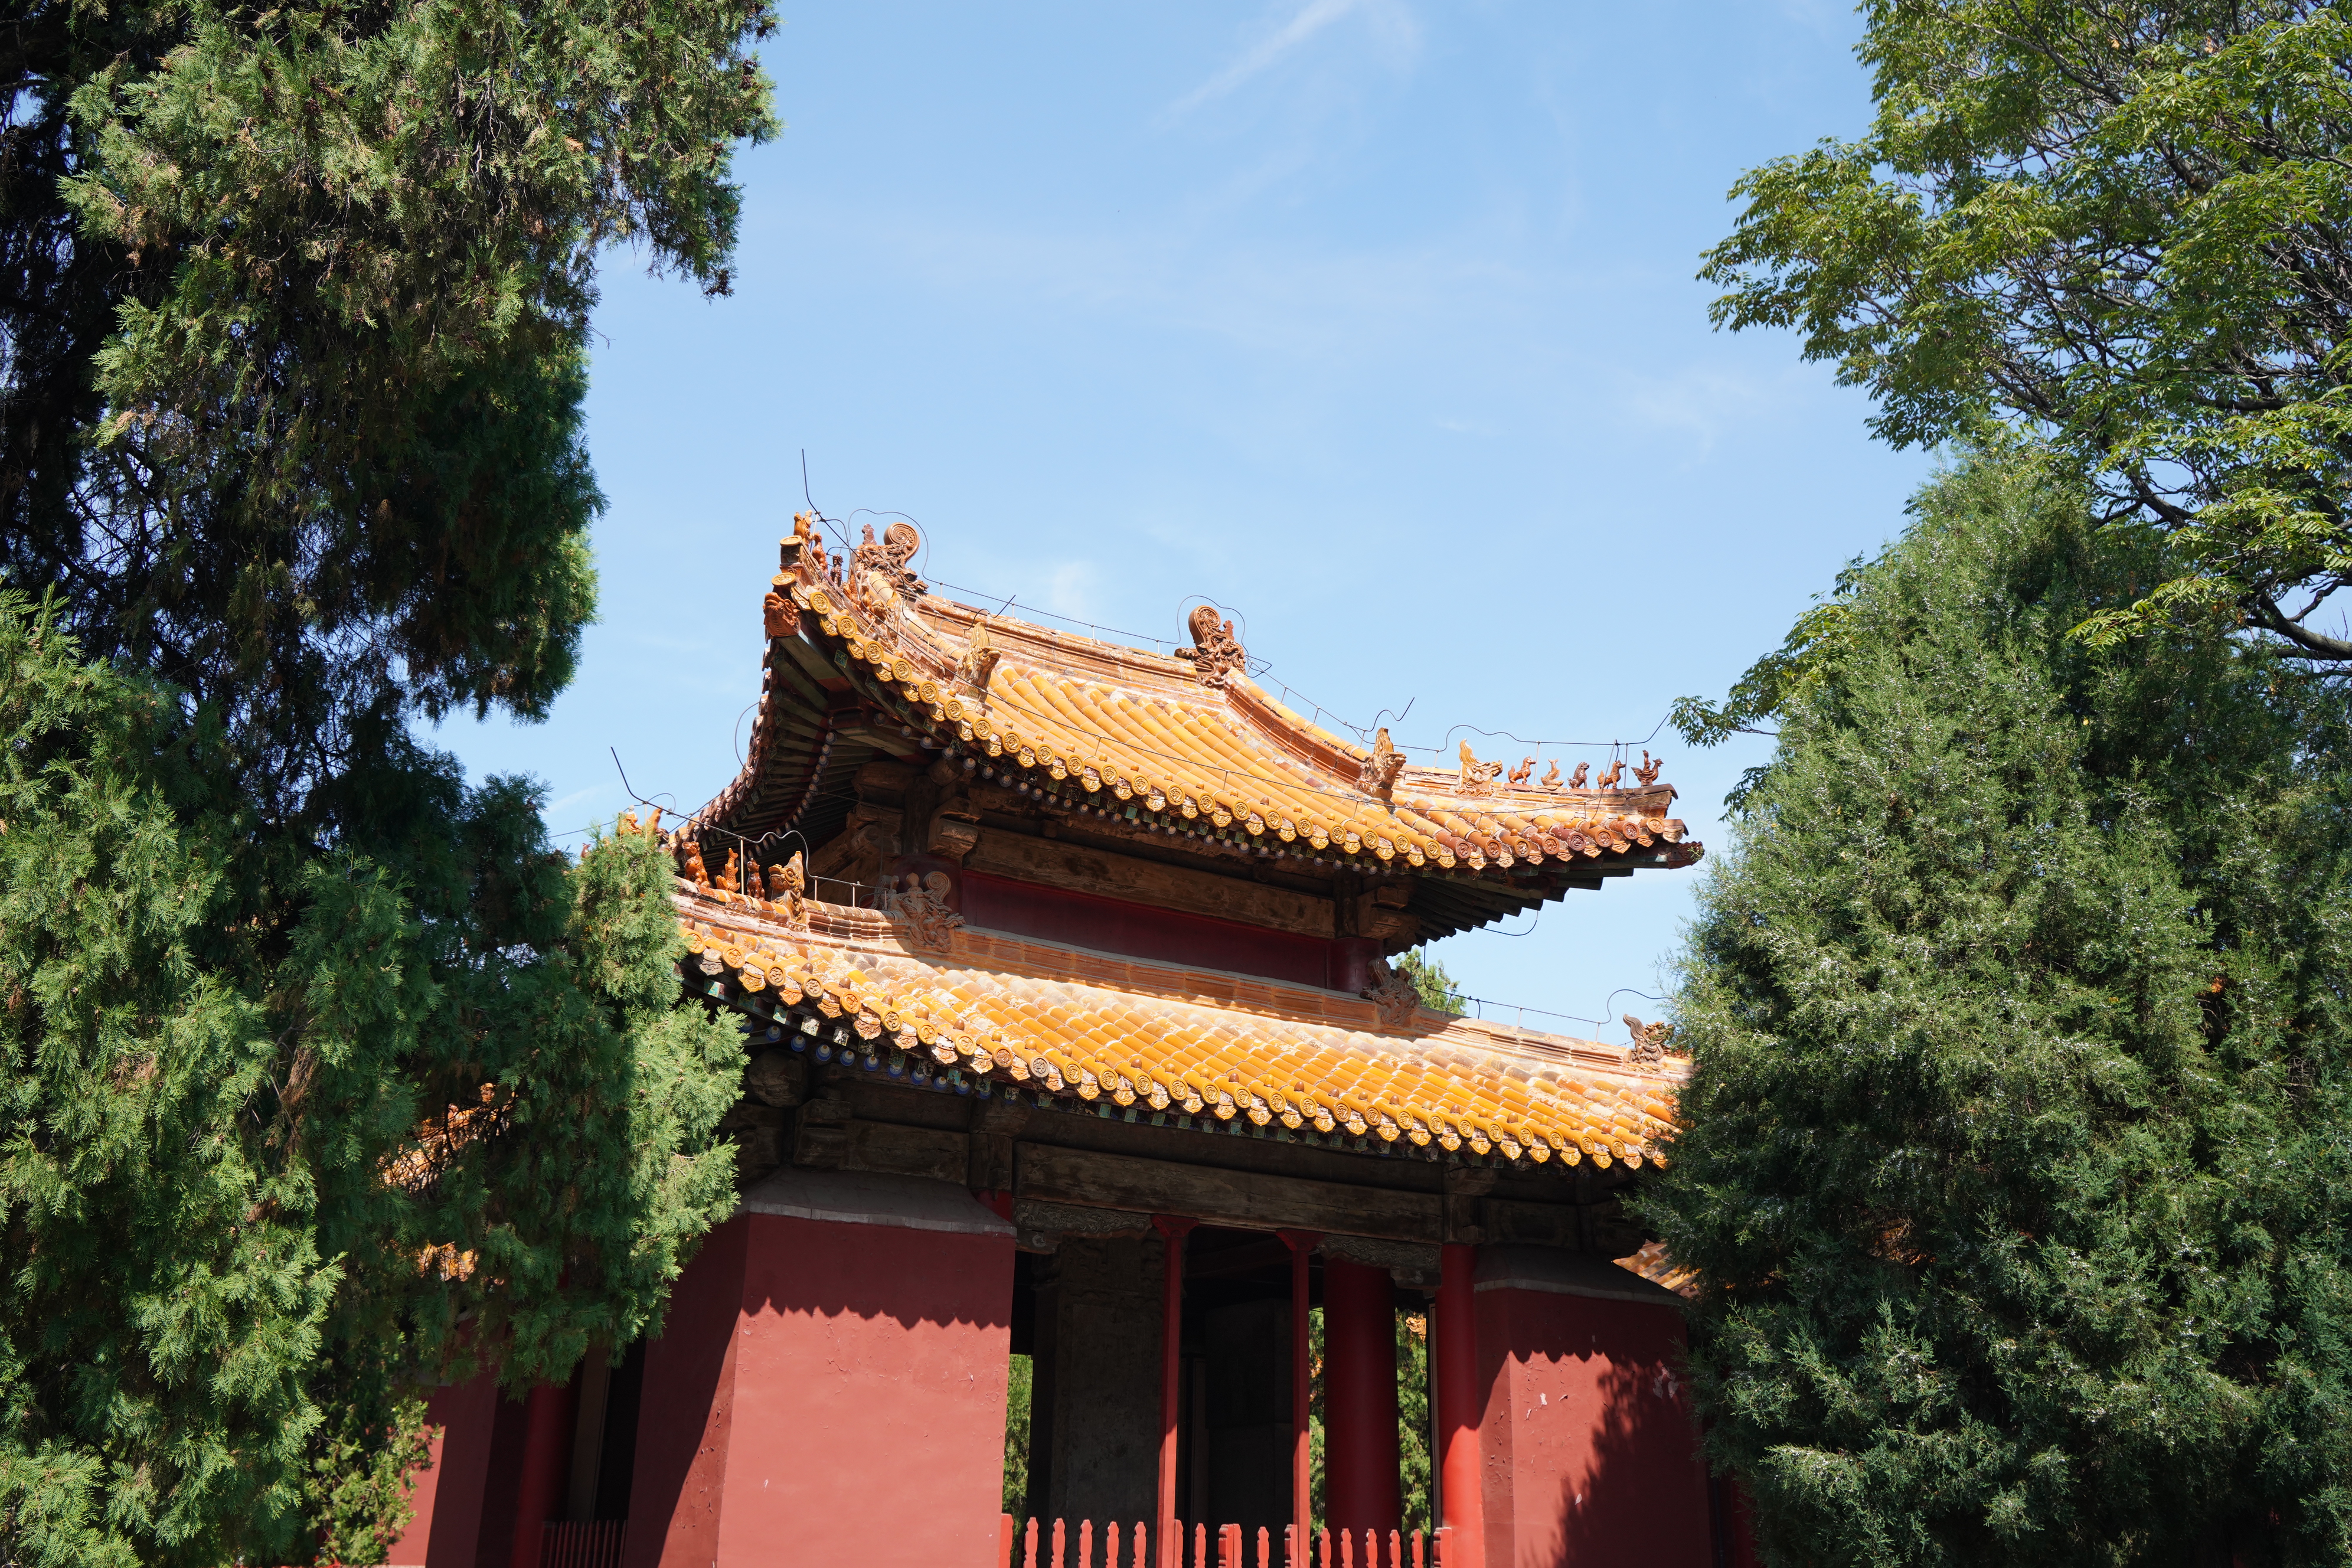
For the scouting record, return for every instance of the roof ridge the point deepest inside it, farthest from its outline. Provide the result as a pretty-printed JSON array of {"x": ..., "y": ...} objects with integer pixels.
[{"x": 1186, "y": 746}]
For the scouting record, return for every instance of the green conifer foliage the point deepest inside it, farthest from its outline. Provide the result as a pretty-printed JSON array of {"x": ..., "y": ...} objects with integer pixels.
[
  {"x": 2015, "y": 1165},
  {"x": 294, "y": 303},
  {"x": 215, "y": 1205},
  {"x": 297, "y": 300}
]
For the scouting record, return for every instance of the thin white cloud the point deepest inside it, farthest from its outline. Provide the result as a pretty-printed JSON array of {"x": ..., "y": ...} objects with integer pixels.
[
  {"x": 1325, "y": 304},
  {"x": 1309, "y": 20},
  {"x": 1071, "y": 589},
  {"x": 1705, "y": 402},
  {"x": 575, "y": 797}
]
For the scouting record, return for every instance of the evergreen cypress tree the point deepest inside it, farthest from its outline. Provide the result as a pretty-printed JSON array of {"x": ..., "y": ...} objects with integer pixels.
[
  {"x": 2016, "y": 1167},
  {"x": 250, "y": 1199},
  {"x": 324, "y": 1076}
]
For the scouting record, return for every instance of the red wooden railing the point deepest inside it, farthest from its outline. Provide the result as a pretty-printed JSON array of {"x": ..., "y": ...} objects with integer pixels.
[
  {"x": 595, "y": 1545},
  {"x": 1053, "y": 1544}
]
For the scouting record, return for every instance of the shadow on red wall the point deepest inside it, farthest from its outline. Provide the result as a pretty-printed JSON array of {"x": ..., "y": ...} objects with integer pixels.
[
  {"x": 794, "y": 1349},
  {"x": 1588, "y": 1447},
  {"x": 1643, "y": 1491},
  {"x": 1165, "y": 936}
]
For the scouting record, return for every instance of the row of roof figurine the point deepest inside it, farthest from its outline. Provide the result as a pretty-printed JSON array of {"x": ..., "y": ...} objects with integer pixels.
[
  {"x": 784, "y": 887},
  {"x": 1475, "y": 773},
  {"x": 880, "y": 576}
]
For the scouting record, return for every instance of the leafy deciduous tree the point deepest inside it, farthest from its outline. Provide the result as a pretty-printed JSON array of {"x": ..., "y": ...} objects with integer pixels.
[{"x": 2129, "y": 222}]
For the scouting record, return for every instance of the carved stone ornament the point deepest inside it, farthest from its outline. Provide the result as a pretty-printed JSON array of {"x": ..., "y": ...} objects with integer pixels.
[
  {"x": 1216, "y": 652},
  {"x": 1649, "y": 1039},
  {"x": 785, "y": 883},
  {"x": 783, "y": 618},
  {"x": 1576, "y": 779},
  {"x": 1551, "y": 775},
  {"x": 1377, "y": 774},
  {"x": 921, "y": 909},
  {"x": 802, "y": 546},
  {"x": 1478, "y": 777},
  {"x": 871, "y": 591},
  {"x": 1648, "y": 772},
  {"x": 1608, "y": 779},
  {"x": 888, "y": 558},
  {"x": 1392, "y": 995},
  {"x": 979, "y": 660}
]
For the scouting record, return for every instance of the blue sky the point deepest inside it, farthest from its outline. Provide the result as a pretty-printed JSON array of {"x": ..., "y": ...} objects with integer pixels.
[{"x": 1373, "y": 320}]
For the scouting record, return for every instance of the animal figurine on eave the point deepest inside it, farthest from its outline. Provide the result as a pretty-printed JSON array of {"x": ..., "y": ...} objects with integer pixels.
[{"x": 1478, "y": 777}]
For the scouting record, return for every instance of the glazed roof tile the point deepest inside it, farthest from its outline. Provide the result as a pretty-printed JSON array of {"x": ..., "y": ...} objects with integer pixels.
[
  {"x": 1085, "y": 1026},
  {"x": 1134, "y": 727},
  {"x": 868, "y": 662}
]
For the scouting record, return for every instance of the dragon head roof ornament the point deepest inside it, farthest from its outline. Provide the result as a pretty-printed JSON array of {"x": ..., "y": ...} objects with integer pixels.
[
  {"x": 888, "y": 558},
  {"x": 1215, "y": 653}
]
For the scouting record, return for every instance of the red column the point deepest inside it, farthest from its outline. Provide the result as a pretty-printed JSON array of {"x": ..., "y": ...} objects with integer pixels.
[
  {"x": 1461, "y": 1405},
  {"x": 1361, "y": 1485},
  {"x": 1172, "y": 1229},
  {"x": 1302, "y": 1462},
  {"x": 546, "y": 1466},
  {"x": 1587, "y": 1452},
  {"x": 448, "y": 1491},
  {"x": 793, "y": 1348}
]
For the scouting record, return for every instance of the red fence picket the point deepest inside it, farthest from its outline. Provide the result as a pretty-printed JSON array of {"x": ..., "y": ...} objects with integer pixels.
[
  {"x": 595, "y": 1545},
  {"x": 1357, "y": 1549}
]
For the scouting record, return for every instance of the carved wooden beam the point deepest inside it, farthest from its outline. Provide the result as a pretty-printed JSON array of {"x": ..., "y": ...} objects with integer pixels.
[{"x": 1249, "y": 1199}]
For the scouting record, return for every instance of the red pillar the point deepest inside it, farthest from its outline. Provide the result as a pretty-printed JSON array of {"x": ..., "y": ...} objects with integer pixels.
[
  {"x": 448, "y": 1496},
  {"x": 824, "y": 1384},
  {"x": 546, "y": 1466},
  {"x": 1588, "y": 1450},
  {"x": 1302, "y": 1462},
  {"x": 1360, "y": 1486},
  {"x": 1461, "y": 1405},
  {"x": 1173, "y": 1228}
]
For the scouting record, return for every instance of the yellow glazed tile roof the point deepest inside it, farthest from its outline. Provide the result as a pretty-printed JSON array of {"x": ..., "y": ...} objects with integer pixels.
[
  {"x": 1111, "y": 724},
  {"x": 1181, "y": 746},
  {"x": 1087, "y": 1028}
]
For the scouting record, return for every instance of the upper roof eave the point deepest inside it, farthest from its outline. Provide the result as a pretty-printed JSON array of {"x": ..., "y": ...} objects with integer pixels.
[{"x": 1133, "y": 724}]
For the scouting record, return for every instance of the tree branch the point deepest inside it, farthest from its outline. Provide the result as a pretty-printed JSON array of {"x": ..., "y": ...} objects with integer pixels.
[{"x": 2307, "y": 644}]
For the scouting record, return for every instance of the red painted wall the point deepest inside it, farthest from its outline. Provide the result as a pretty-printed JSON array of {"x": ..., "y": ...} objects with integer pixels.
[
  {"x": 826, "y": 1392},
  {"x": 448, "y": 1495},
  {"x": 1588, "y": 1453},
  {"x": 1113, "y": 925}
]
